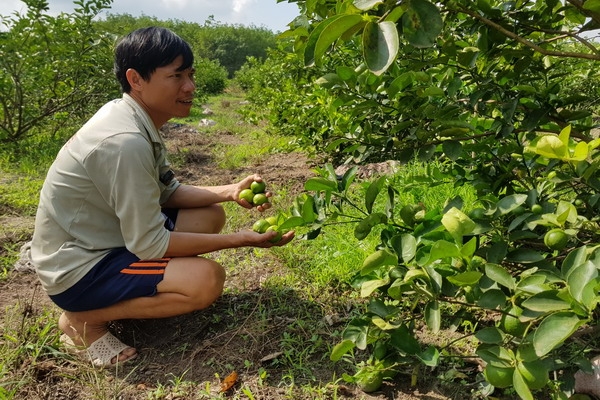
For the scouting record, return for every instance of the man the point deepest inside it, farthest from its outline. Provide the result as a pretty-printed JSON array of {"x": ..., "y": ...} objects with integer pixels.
[{"x": 116, "y": 235}]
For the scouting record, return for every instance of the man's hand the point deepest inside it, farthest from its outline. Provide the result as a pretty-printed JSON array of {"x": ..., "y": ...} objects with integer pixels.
[
  {"x": 263, "y": 240},
  {"x": 245, "y": 184}
]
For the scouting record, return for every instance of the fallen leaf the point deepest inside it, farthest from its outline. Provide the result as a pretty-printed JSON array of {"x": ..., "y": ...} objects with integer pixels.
[
  {"x": 271, "y": 356},
  {"x": 229, "y": 381}
]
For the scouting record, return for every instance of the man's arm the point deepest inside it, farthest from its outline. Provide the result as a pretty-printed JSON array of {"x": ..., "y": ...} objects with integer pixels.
[
  {"x": 188, "y": 196},
  {"x": 183, "y": 244}
]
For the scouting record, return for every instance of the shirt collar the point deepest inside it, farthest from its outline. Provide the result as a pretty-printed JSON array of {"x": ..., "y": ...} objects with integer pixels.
[{"x": 144, "y": 118}]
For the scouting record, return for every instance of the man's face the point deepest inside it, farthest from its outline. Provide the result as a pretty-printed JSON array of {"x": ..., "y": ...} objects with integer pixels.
[{"x": 168, "y": 93}]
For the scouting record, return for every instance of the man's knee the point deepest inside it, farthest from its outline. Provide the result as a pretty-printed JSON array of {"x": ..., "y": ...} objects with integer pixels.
[
  {"x": 219, "y": 217},
  {"x": 210, "y": 289}
]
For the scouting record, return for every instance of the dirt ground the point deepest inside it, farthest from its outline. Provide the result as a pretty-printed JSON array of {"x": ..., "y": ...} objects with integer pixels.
[{"x": 242, "y": 331}]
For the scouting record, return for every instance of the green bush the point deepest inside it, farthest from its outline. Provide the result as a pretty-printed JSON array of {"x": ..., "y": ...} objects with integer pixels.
[{"x": 211, "y": 78}]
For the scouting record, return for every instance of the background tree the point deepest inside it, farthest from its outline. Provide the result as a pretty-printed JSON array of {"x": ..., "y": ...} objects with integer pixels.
[
  {"x": 488, "y": 90},
  {"x": 53, "y": 69}
]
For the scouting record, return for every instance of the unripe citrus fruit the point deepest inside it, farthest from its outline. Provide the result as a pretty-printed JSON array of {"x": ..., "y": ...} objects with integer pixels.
[
  {"x": 258, "y": 187},
  {"x": 536, "y": 209},
  {"x": 556, "y": 239},
  {"x": 277, "y": 237},
  {"x": 477, "y": 213},
  {"x": 370, "y": 382},
  {"x": 499, "y": 377},
  {"x": 247, "y": 195},
  {"x": 510, "y": 322},
  {"x": 259, "y": 199},
  {"x": 272, "y": 220},
  {"x": 260, "y": 226}
]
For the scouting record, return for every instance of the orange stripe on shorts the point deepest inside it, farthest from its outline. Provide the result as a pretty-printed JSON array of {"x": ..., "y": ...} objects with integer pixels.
[
  {"x": 143, "y": 271},
  {"x": 147, "y": 267}
]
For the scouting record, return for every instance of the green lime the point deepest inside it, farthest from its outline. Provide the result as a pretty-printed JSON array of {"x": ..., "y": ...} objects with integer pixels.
[
  {"x": 556, "y": 239},
  {"x": 247, "y": 195},
  {"x": 260, "y": 226},
  {"x": 477, "y": 213},
  {"x": 510, "y": 322},
  {"x": 499, "y": 377},
  {"x": 537, "y": 209},
  {"x": 272, "y": 220},
  {"x": 258, "y": 187},
  {"x": 370, "y": 381},
  {"x": 277, "y": 237},
  {"x": 259, "y": 199}
]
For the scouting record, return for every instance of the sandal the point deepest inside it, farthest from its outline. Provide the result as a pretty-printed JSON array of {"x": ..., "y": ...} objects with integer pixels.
[{"x": 101, "y": 352}]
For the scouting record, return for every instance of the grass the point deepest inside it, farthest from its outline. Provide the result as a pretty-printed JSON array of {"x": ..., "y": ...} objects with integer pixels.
[{"x": 308, "y": 288}]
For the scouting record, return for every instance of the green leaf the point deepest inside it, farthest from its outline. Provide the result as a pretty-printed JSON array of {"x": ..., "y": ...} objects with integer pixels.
[
  {"x": 553, "y": 331},
  {"x": 443, "y": 249},
  {"x": 492, "y": 299},
  {"x": 383, "y": 324},
  {"x": 366, "y": 5},
  {"x": 546, "y": 301},
  {"x": 370, "y": 286},
  {"x": 340, "y": 349},
  {"x": 378, "y": 259},
  {"x": 469, "y": 278},
  {"x": 332, "y": 32},
  {"x": 421, "y": 23},
  {"x": 372, "y": 192},
  {"x": 525, "y": 256},
  {"x": 496, "y": 355},
  {"x": 357, "y": 331},
  {"x": 318, "y": 184},
  {"x": 400, "y": 83},
  {"x": 309, "y": 50},
  {"x": 329, "y": 80},
  {"x": 452, "y": 149},
  {"x": 499, "y": 274},
  {"x": 490, "y": 335},
  {"x": 521, "y": 387},
  {"x": 291, "y": 222},
  {"x": 380, "y": 45},
  {"x": 579, "y": 278},
  {"x": 430, "y": 356},
  {"x": 308, "y": 210},
  {"x": 457, "y": 223},
  {"x": 409, "y": 247},
  {"x": 348, "y": 178},
  {"x": 592, "y": 5},
  {"x": 532, "y": 284},
  {"x": 510, "y": 203},
  {"x": 402, "y": 339}
]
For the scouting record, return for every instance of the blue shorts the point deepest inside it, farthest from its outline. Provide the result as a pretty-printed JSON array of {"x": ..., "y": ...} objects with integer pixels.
[{"x": 119, "y": 276}]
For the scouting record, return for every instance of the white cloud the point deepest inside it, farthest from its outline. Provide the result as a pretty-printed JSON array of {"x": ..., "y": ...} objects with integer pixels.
[
  {"x": 239, "y": 5},
  {"x": 178, "y": 4}
]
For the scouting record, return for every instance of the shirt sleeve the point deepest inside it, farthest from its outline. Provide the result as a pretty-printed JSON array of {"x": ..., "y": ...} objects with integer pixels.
[{"x": 125, "y": 173}]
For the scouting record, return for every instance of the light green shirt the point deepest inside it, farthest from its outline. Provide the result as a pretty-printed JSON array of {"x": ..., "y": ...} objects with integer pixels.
[{"x": 102, "y": 192}]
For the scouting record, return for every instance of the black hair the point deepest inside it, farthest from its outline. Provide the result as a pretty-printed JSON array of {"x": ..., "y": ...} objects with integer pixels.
[{"x": 147, "y": 49}]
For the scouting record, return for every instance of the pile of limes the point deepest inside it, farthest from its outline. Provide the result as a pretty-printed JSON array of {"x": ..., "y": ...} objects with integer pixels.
[
  {"x": 268, "y": 224},
  {"x": 255, "y": 195}
]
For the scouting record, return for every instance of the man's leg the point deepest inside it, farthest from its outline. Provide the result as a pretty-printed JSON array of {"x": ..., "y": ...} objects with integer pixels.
[{"x": 189, "y": 284}]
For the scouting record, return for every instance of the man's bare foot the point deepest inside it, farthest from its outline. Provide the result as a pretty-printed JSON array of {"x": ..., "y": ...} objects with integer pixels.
[{"x": 83, "y": 334}]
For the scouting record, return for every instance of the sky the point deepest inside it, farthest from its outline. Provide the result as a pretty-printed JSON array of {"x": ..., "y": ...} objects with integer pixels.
[{"x": 260, "y": 13}]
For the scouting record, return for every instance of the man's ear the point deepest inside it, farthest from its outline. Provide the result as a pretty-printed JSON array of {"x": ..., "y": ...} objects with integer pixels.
[{"x": 134, "y": 78}]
